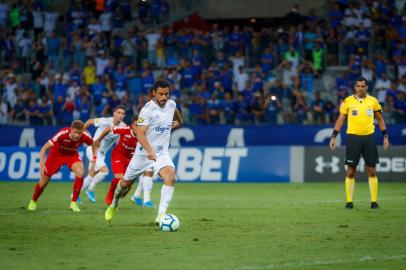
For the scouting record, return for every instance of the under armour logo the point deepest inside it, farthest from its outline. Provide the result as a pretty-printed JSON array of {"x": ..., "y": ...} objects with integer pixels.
[{"x": 321, "y": 164}]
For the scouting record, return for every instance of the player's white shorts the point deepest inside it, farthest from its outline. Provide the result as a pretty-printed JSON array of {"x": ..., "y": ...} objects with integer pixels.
[
  {"x": 100, "y": 159},
  {"x": 139, "y": 164}
]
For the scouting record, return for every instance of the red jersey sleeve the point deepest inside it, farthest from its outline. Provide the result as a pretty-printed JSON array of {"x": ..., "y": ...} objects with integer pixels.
[
  {"x": 87, "y": 139},
  {"x": 59, "y": 136},
  {"x": 121, "y": 130}
]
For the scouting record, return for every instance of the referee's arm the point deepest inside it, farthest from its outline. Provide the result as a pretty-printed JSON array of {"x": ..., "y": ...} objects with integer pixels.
[
  {"x": 337, "y": 127},
  {"x": 382, "y": 127}
]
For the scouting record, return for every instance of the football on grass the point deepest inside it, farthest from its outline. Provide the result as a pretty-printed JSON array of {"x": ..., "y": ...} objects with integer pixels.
[{"x": 169, "y": 223}]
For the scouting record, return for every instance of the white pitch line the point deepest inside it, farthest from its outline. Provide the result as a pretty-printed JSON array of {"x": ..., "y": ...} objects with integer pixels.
[{"x": 321, "y": 262}]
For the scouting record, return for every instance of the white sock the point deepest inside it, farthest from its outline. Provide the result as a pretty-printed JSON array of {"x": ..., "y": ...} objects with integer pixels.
[
  {"x": 166, "y": 197},
  {"x": 139, "y": 189},
  {"x": 86, "y": 182},
  {"x": 147, "y": 186},
  {"x": 118, "y": 193},
  {"x": 97, "y": 179}
]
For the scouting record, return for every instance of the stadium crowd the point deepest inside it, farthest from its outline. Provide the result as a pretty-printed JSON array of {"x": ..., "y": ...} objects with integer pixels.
[{"x": 55, "y": 68}]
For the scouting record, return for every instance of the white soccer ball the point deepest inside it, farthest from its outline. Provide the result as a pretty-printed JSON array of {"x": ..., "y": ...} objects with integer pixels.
[{"x": 169, "y": 223}]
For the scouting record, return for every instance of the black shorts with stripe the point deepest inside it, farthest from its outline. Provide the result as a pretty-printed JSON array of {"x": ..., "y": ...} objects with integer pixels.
[{"x": 358, "y": 145}]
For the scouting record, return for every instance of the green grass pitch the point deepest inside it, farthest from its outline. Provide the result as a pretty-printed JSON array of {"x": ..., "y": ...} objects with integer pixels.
[{"x": 223, "y": 226}]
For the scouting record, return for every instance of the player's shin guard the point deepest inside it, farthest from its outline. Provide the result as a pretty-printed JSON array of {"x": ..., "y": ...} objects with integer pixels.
[
  {"x": 147, "y": 187},
  {"x": 37, "y": 192},
  {"x": 349, "y": 188},
  {"x": 110, "y": 193},
  {"x": 140, "y": 187},
  {"x": 87, "y": 181},
  {"x": 97, "y": 179},
  {"x": 166, "y": 197},
  {"x": 373, "y": 188},
  {"x": 77, "y": 186}
]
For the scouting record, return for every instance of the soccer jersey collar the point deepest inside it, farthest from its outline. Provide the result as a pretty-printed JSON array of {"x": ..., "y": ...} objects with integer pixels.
[{"x": 360, "y": 99}]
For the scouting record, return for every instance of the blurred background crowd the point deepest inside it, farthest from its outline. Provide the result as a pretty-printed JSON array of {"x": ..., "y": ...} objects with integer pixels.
[{"x": 59, "y": 66}]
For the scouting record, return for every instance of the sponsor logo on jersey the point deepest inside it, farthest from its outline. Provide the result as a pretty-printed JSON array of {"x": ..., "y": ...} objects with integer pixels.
[{"x": 163, "y": 129}]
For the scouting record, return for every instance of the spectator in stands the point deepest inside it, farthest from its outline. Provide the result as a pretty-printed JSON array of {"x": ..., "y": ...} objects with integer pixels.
[
  {"x": 309, "y": 37},
  {"x": 4, "y": 9},
  {"x": 332, "y": 47},
  {"x": 198, "y": 112},
  {"x": 402, "y": 84},
  {"x": 8, "y": 45},
  {"x": 45, "y": 111},
  {"x": 11, "y": 88},
  {"x": 241, "y": 79},
  {"x": 300, "y": 107},
  {"x": 33, "y": 113},
  {"x": 258, "y": 108},
  {"x": 53, "y": 49},
  {"x": 330, "y": 111},
  {"x": 381, "y": 86},
  {"x": 267, "y": 60},
  {"x": 237, "y": 61},
  {"x": 213, "y": 107},
  {"x": 119, "y": 57},
  {"x": 18, "y": 113},
  {"x": 272, "y": 107},
  {"x": 228, "y": 109},
  {"x": 307, "y": 78},
  {"x": 244, "y": 114},
  {"x": 318, "y": 59},
  {"x": 400, "y": 108},
  {"x": 380, "y": 64},
  {"x": 368, "y": 72},
  {"x": 89, "y": 73},
  {"x": 317, "y": 109},
  {"x": 3, "y": 111},
  {"x": 388, "y": 110}
]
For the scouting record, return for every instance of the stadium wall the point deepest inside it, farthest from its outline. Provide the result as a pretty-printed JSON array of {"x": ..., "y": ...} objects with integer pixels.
[
  {"x": 234, "y": 154},
  {"x": 231, "y": 164}
]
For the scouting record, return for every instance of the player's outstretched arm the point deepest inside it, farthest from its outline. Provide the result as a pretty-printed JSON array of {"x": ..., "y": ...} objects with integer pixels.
[
  {"x": 337, "y": 127},
  {"x": 96, "y": 143},
  {"x": 382, "y": 127},
  {"x": 88, "y": 123},
  {"x": 142, "y": 139},
  {"x": 177, "y": 120},
  {"x": 42, "y": 153}
]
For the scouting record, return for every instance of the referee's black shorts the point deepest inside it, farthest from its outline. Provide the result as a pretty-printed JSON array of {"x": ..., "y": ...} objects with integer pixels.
[{"x": 358, "y": 145}]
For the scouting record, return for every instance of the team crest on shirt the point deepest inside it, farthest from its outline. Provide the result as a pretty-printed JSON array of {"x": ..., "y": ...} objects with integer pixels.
[
  {"x": 369, "y": 112},
  {"x": 354, "y": 112},
  {"x": 140, "y": 120}
]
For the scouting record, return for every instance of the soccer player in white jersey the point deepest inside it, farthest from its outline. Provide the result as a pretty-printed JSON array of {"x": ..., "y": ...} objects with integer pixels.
[
  {"x": 154, "y": 125},
  {"x": 98, "y": 171}
]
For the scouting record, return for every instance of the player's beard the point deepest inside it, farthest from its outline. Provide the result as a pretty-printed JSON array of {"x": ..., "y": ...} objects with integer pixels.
[{"x": 162, "y": 103}]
